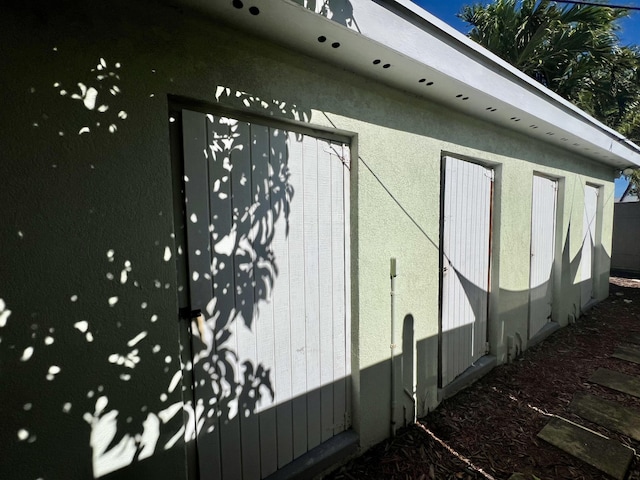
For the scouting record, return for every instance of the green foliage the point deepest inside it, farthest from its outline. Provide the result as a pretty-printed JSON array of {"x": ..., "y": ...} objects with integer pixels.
[
  {"x": 573, "y": 49},
  {"x": 634, "y": 182}
]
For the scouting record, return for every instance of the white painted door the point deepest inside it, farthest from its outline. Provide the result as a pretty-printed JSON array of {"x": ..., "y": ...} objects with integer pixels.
[
  {"x": 466, "y": 233},
  {"x": 588, "y": 243},
  {"x": 543, "y": 238},
  {"x": 267, "y": 214}
]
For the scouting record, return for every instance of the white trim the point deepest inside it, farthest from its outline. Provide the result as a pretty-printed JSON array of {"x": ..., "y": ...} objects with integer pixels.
[{"x": 418, "y": 45}]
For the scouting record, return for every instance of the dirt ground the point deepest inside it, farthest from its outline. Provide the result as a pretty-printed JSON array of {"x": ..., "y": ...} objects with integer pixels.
[{"x": 488, "y": 431}]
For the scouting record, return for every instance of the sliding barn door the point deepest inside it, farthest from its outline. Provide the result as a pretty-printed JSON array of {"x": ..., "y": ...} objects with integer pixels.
[
  {"x": 267, "y": 219},
  {"x": 543, "y": 238},
  {"x": 466, "y": 233},
  {"x": 588, "y": 243}
]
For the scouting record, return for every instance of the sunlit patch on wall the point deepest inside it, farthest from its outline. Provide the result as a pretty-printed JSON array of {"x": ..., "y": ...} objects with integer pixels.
[
  {"x": 137, "y": 339},
  {"x": 130, "y": 360},
  {"x": 109, "y": 455},
  {"x": 53, "y": 371},
  {"x": 120, "y": 433},
  {"x": 124, "y": 273},
  {"x": 4, "y": 313},
  {"x": 95, "y": 96},
  {"x": 83, "y": 326},
  {"x": 26, "y": 354},
  {"x": 246, "y": 100}
]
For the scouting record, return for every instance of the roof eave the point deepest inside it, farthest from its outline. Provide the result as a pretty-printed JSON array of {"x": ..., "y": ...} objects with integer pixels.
[{"x": 429, "y": 58}]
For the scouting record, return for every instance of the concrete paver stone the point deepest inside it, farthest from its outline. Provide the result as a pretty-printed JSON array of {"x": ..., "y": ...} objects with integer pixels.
[
  {"x": 608, "y": 456},
  {"x": 629, "y": 354},
  {"x": 617, "y": 381},
  {"x": 634, "y": 338},
  {"x": 609, "y": 414}
]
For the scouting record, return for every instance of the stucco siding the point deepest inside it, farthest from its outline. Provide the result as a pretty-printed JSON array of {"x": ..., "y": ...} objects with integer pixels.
[
  {"x": 87, "y": 204},
  {"x": 625, "y": 253}
]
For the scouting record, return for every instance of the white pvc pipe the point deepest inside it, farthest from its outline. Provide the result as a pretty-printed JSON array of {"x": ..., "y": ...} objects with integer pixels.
[{"x": 393, "y": 275}]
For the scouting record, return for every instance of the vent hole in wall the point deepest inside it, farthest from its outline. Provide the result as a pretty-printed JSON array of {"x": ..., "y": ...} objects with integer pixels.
[
  {"x": 422, "y": 80},
  {"x": 386, "y": 65},
  {"x": 254, "y": 10},
  {"x": 429, "y": 84},
  {"x": 376, "y": 61},
  {"x": 237, "y": 4},
  {"x": 322, "y": 39},
  {"x": 335, "y": 44}
]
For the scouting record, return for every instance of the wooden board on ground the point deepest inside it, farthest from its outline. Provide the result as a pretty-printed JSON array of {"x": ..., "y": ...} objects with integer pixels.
[
  {"x": 609, "y": 414},
  {"x": 606, "y": 455},
  {"x": 627, "y": 353},
  {"x": 634, "y": 338},
  {"x": 629, "y": 346},
  {"x": 617, "y": 381}
]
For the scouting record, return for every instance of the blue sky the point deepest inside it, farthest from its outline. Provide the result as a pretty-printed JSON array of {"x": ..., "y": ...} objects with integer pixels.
[{"x": 446, "y": 11}]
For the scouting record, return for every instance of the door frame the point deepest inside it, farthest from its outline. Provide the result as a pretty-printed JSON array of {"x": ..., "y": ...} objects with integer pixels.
[
  {"x": 597, "y": 240},
  {"x": 175, "y": 106},
  {"x": 494, "y": 215},
  {"x": 555, "y": 267}
]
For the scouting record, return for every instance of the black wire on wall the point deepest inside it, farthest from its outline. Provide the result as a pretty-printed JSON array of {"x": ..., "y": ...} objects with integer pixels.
[{"x": 594, "y": 4}]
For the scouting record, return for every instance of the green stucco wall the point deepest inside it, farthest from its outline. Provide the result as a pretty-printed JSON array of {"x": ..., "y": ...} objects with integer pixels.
[{"x": 78, "y": 209}]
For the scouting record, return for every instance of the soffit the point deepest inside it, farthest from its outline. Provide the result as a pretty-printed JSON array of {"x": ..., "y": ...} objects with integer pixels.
[{"x": 401, "y": 45}]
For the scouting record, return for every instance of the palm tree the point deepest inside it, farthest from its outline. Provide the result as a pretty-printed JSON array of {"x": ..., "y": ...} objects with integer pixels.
[{"x": 573, "y": 50}]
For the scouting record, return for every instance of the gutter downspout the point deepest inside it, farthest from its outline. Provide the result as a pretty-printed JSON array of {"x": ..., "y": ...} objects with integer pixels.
[{"x": 393, "y": 275}]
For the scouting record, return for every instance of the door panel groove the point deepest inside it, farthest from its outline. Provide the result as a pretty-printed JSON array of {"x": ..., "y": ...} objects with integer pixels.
[
  {"x": 268, "y": 247},
  {"x": 589, "y": 220},
  {"x": 465, "y": 273},
  {"x": 542, "y": 251}
]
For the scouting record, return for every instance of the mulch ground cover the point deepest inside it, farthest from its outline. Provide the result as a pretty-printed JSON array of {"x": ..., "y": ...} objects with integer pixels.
[{"x": 489, "y": 430}]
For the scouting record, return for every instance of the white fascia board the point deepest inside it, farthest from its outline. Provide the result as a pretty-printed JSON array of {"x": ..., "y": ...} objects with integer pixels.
[
  {"x": 460, "y": 58},
  {"x": 428, "y": 58}
]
